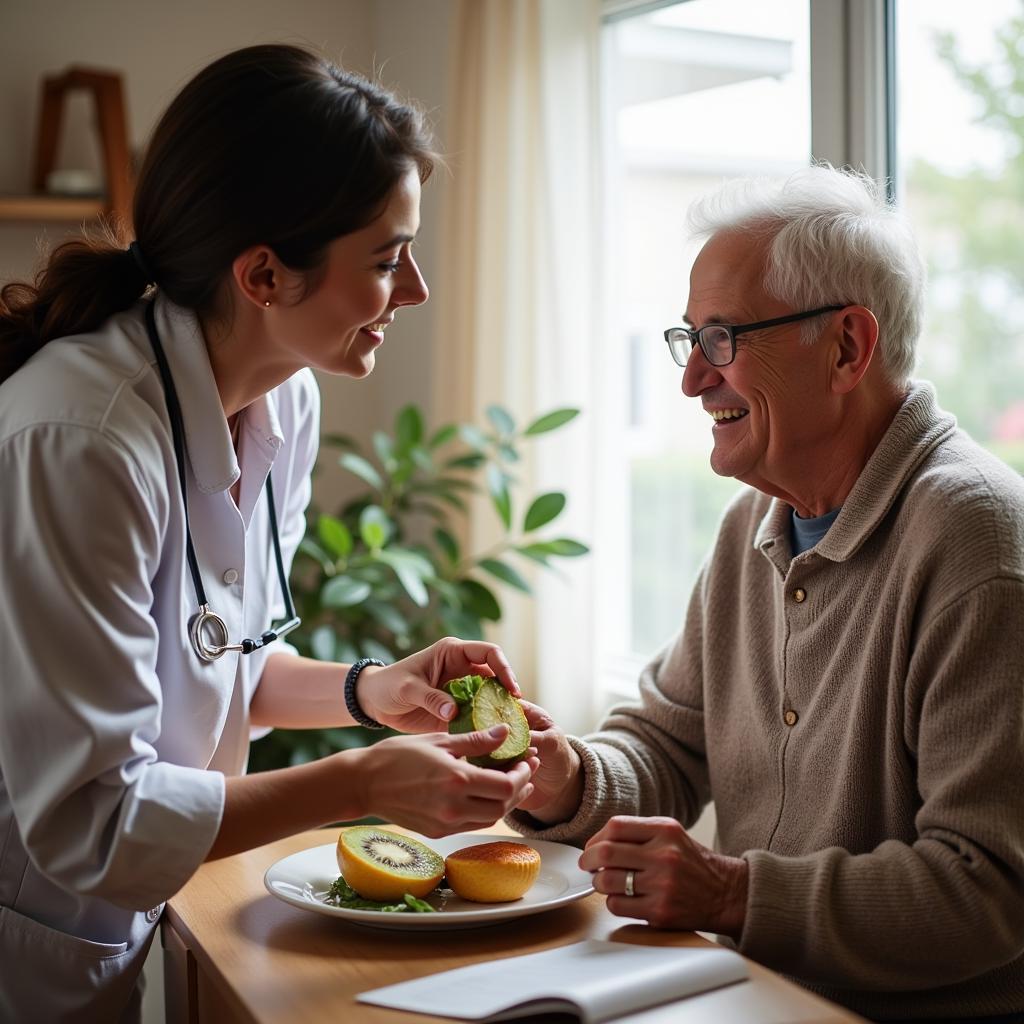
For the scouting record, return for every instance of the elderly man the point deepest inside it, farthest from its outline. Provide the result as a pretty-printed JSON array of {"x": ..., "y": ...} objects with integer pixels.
[{"x": 848, "y": 681}]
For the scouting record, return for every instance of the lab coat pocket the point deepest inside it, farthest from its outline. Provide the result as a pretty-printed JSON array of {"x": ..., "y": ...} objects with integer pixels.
[{"x": 50, "y": 975}]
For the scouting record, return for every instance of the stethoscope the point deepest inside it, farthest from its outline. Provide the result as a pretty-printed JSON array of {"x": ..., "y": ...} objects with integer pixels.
[{"x": 207, "y": 631}]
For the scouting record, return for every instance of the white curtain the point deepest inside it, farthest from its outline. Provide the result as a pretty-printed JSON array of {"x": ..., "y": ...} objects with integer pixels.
[{"x": 518, "y": 297}]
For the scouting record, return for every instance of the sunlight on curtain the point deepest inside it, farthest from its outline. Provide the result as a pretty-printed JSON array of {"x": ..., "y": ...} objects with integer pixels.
[{"x": 517, "y": 294}]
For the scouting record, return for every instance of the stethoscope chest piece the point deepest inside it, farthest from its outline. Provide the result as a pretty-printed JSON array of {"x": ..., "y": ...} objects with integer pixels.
[{"x": 208, "y": 633}]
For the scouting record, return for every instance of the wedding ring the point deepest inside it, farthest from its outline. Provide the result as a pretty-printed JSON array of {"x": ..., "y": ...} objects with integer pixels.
[{"x": 630, "y": 879}]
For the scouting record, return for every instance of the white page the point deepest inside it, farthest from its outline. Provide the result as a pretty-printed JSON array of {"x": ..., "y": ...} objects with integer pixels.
[{"x": 602, "y": 979}]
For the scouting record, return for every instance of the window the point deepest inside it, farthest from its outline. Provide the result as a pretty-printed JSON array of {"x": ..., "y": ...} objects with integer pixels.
[
  {"x": 693, "y": 93},
  {"x": 960, "y": 173}
]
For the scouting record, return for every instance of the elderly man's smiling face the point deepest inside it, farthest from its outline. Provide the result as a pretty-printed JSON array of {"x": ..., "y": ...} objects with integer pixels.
[{"x": 775, "y": 393}]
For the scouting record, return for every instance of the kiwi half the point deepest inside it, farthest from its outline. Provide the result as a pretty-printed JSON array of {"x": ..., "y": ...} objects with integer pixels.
[
  {"x": 483, "y": 703},
  {"x": 384, "y": 865}
]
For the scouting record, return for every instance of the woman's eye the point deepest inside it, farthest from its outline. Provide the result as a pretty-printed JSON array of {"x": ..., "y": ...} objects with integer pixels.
[{"x": 389, "y": 268}]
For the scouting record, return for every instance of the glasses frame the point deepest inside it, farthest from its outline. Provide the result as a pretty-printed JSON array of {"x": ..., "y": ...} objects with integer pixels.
[{"x": 696, "y": 337}]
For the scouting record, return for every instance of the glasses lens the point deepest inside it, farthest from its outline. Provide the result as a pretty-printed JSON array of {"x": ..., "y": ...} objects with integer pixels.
[
  {"x": 679, "y": 344},
  {"x": 716, "y": 342}
]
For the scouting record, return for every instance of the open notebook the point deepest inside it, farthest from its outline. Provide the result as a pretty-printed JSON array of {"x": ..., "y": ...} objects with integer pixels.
[{"x": 596, "y": 980}]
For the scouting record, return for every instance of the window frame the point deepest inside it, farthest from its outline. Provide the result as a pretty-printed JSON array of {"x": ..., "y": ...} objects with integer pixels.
[{"x": 853, "y": 124}]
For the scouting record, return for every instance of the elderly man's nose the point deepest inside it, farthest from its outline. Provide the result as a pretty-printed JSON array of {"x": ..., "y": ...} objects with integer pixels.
[{"x": 699, "y": 374}]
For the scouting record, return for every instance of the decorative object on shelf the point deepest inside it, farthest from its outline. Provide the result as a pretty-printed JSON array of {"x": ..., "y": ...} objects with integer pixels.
[
  {"x": 386, "y": 576},
  {"x": 76, "y": 194}
]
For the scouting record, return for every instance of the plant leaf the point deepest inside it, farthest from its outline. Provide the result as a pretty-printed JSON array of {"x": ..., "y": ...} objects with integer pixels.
[
  {"x": 340, "y": 441},
  {"x": 422, "y": 458},
  {"x": 343, "y": 592},
  {"x": 384, "y": 447},
  {"x": 447, "y": 543},
  {"x": 535, "y": 552},
  {"x": 550, "y": 421},
  {"x": 473, "y": 436},
  {"x": 470, "y": 461},
  {"x": 323, "y": 643},
  {"x": 566, "y": 548},
  {"x": 543, "y": 509},
  {"x": 346, "y": 652},
  {"x": 506, "y": 573},
  {"x": 374, "y": 527},
  {"x": 358, "y": 466},
  {"x": 502, "y": 419},
  {"x": 408, "y": 427},
  {"x": 375, "y": 649},
  {"x": 443, "y": 435},
  {"x": 409, "y": 574},
  {"x": 479, "y": 599},
  {"x": 563, "y": 547},
  {"x": 335, "y": 536},
  {"x": 497, "y": 484},
  {"x": 309, "y": 547},
  {"x": 388, "y": 616},
  {"x": 508, "y": 453},
  {"x": 461, "y": 624}
]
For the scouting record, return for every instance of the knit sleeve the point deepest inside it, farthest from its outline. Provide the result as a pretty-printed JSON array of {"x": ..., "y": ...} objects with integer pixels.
[
  {"x": 950, "y": 905},
  {"x": 649, "y": 757}
]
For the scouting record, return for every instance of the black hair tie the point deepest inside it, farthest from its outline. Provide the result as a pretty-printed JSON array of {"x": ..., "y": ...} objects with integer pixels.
[{"x": 140, "y": 261}]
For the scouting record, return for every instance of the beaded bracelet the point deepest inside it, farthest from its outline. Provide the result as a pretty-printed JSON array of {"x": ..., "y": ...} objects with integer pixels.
[{"x": 360, "y": 716}]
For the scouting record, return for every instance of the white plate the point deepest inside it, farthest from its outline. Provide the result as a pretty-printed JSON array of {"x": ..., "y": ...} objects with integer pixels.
[{"x": 304, "y": 878}]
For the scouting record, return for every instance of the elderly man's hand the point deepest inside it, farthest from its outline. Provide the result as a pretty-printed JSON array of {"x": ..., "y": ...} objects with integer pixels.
[
  {"x": 677, "y": 883},
  {"x": 558, "y": 782}
]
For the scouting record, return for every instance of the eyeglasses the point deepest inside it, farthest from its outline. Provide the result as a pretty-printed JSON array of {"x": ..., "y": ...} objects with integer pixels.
[{"x": 718, "y": 341}]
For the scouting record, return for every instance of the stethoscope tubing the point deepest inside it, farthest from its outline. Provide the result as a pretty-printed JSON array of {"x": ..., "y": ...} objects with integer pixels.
[{"x": 205, "y": 620}]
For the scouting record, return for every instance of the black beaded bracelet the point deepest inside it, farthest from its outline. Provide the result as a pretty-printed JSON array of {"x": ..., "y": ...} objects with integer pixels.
[{"x": 360, "y": 716}]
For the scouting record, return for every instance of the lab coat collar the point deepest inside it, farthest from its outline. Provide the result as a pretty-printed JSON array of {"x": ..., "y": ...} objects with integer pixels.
[{"x": 211, "y": 453}]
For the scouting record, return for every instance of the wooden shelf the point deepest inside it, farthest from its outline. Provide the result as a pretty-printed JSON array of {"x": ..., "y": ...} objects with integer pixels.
[{"x": 68, "y": 208}]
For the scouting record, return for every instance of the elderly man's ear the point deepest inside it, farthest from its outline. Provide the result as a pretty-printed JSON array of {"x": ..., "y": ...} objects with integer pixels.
[{"x": 853, "y": 349}]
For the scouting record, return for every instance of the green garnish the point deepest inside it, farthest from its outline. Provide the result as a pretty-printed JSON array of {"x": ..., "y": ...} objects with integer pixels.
[
  {"x": 341, "y": 894},
  {"x": 465, "y": 688}
]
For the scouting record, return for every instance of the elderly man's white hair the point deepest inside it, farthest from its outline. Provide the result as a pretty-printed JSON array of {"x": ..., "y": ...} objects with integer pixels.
[{"x": 831, "y": 237}]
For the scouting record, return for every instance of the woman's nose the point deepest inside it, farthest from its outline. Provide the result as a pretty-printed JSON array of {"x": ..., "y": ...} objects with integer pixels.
[{"x": 410, "y": 288}]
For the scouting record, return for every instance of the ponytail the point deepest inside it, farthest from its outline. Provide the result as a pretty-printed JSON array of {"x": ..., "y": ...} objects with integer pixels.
[{"x": 85, "y": 281}]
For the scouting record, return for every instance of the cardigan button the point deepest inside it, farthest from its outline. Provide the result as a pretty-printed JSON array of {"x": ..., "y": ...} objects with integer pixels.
[
  {"x": 799, "y": 595},
  {"x": 791, "y": 717},
  {"x": 230, "y": 576}
]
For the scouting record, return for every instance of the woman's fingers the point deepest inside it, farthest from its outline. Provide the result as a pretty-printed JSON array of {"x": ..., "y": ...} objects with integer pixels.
[{"x": 465, "y": 657}]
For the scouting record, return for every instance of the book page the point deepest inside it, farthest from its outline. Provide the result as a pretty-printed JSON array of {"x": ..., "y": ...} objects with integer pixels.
[{"x": 596, "y": 979}]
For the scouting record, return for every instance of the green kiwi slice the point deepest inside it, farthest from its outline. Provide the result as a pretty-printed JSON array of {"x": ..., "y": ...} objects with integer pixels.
[{"x": 483, "y": 703}]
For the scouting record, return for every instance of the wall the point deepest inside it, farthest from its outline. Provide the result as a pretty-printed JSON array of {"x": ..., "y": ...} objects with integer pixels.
[{"x": 158, "y": 46}]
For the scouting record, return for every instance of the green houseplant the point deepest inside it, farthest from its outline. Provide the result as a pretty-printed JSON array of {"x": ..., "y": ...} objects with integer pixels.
[{"x": 386, "y": 576}]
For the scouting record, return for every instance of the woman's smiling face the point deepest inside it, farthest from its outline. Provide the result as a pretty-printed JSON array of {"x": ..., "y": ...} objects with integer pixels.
[{"x": 366, "y": 276}]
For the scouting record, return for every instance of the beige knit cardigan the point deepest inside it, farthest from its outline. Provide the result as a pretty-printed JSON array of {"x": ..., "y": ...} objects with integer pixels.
[{"x": 857, "y": 715}]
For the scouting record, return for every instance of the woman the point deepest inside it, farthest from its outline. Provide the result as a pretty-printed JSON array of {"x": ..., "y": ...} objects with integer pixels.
[{"x": 274, "y": 214}]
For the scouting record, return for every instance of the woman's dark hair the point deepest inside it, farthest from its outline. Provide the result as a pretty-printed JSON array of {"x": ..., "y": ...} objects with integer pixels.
[{"x": 269, "y": 145}]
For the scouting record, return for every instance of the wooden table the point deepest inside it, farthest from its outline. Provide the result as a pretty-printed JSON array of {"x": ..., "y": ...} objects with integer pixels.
[{"x": 233, "y": 953}]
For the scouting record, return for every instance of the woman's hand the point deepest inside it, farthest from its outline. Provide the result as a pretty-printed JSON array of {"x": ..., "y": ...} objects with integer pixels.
[
  {"x": 558, "y": 782},
  {"x": 420, "y": 782},
  {"x": 406, "y": 695},
  {"x": 677, "y": 882}
]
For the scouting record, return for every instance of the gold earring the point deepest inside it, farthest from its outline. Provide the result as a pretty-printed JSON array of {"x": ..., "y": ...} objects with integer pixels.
[{"x": 266, "y": 302}]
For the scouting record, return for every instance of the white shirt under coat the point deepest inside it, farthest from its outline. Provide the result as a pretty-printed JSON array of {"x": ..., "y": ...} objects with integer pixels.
[{"x": 114, "y": 736}]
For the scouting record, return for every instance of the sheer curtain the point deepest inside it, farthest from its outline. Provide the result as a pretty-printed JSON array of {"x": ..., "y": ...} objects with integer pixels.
[{"x": 518, "y": 296}]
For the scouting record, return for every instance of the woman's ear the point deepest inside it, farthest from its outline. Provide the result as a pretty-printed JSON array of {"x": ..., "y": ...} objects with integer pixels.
[
  {"x": 858, "y": 338},
  {"x": 258, "y": 275}
]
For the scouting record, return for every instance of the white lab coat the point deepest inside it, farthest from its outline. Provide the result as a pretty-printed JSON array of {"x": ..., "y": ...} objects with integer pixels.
[{"x": 114, "y": 736}]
